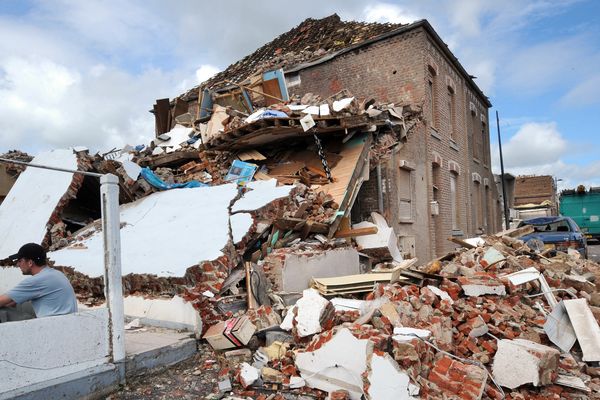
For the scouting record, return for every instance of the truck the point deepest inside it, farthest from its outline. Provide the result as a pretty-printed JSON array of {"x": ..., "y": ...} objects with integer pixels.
[{"x": 583, "y": 206}]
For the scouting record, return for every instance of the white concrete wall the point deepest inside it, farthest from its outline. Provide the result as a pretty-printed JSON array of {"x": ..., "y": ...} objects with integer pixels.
[
  {"x": 170, "y": 313},
  {"x": 44, "y": 348},
  {"x": 9, "y": 277},
  {"x": 299, "y": 269}
]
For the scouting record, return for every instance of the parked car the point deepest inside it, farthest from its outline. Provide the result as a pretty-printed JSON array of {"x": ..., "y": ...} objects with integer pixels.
[{"x": 556, "y": 233}]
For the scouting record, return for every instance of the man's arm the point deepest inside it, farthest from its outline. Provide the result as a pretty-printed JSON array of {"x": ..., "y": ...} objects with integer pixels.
[{"x": 6, "y": 301}]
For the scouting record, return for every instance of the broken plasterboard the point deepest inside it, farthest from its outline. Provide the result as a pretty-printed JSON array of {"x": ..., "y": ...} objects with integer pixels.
[
  {"x": 35, "y": 195},
  {"x": 259, "y": 194},
  {"x": 523, "y": 276},
  {"x": 388, "y": 381},
  {"x": 332, "y": 367},
  {"x": 586, "y": 328},
  {"x": 179, "y": 134},
  {"x": 558, "y": 328},
  {"x": 198, "y": 216}
]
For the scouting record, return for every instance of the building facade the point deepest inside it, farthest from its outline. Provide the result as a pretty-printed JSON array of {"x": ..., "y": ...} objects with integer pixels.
[{"x": 440, "y": 183}]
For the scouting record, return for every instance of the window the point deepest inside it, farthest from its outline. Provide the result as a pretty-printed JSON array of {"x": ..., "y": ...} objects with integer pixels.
[
  {"x": 478, "y": 208},
  {"x": 476, "y": 137},
  {"x": 485, "y": 148},
  {"x": 431, "y": 97},
  {"x": 405, "y": 192},
  {"x": 454, "y": 201},
  {"x": 451, "y": 112}
]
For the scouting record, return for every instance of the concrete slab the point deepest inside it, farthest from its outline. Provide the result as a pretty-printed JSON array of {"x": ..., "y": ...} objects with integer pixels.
[
  {"x": 148, "y": 349},
  {"x": 91, "y": 383},
  {"x": 154, "y": 348}
]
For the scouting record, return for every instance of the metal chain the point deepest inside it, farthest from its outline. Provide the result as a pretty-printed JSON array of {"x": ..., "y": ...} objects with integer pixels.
[{"x": 322, "y": 156}]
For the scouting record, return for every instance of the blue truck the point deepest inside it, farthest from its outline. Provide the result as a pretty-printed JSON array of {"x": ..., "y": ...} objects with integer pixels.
[{"x": 584, "y": 207}]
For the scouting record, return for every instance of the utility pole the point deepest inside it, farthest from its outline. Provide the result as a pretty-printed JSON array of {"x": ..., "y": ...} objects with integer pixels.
[{"x": 505, "y": 202}]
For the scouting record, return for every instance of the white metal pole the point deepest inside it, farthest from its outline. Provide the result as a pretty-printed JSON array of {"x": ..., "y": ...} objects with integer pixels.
[{"x": 113, "y": 286}]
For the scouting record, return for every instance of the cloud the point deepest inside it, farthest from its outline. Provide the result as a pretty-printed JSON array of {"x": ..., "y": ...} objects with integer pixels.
[
  {"x": 49, "y": 105},
  {"x": 534, "y": 144},
  {"x": 584, "y": 94},
  {"x": 205, "y": 72},
  {"x": 385, "y": 12}
]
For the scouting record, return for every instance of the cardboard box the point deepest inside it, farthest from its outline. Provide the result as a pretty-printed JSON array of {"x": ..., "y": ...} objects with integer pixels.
[{"x": 234, "y": 332}]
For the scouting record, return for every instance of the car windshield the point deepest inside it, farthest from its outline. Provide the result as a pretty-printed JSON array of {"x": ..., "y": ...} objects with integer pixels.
[{"x": 556, "y": 226}]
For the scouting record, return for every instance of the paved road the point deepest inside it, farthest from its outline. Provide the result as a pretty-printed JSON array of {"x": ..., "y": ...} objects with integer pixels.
[{"x": 594, "y": 251}]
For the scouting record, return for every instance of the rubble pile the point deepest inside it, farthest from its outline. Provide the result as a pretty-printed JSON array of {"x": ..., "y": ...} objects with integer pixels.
[
  {"x": 296, "y": 299},
  {"x": 479, "y": 327}
]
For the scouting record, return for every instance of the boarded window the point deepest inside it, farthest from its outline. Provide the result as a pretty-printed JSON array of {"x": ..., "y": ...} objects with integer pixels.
[
  {"x": 431, "y": 95},
  {"x": 452, "y": 112},
  {"x": 454, "y": 201},
  {"x": 405, "y": 192}
]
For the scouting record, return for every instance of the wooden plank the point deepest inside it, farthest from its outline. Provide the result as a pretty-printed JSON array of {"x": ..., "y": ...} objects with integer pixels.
[
  {"x": 346, "y": 176},
  {"x": 516, "y": 232},
  {"x": 272, "y": 91},
  {"x": 461, "y": 243},
  {"x": 161, "y": 116},
  {"x": 356, "y": 232}
]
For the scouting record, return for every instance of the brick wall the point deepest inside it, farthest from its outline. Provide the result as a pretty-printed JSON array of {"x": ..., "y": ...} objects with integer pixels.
[
  {"x": 399, "y": 69},
  {"x": 533, "y": 189}
]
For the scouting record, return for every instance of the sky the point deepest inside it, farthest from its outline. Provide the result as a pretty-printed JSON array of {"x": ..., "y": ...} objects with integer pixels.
[{"x": 87, "y": 72}]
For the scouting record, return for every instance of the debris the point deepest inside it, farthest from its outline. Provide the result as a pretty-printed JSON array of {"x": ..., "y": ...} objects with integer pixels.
[
  {"x": 388, "y": 381},
  {"x": 248, "y": 374},
  {"x": 381, "y": 245},
  {"x": 518, "y": 362},
  {"x": 353, "y": 283},
  {"x": 481, "y": 284},
  {"x": 586, "y": 328},
  {"x": 330, "y": 366},
  {"x": 234, "y": 332}
]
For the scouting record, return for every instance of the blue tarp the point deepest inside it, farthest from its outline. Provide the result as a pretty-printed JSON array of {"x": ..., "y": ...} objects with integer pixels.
[
  {"x": 158, "y": 183},
  {"x": 273, "y": 114}
]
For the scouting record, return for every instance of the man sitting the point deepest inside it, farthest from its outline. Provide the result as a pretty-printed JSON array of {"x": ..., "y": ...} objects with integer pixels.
[{"x": 48, "y": 290}]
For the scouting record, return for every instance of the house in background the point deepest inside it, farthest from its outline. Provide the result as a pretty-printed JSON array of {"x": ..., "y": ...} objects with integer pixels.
[{"x": 439, "y": 183}]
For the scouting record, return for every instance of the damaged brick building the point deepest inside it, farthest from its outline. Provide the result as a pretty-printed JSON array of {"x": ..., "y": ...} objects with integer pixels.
[{"x": 439, "y": 183}]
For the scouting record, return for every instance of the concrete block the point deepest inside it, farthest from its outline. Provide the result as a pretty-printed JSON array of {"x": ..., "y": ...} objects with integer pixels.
[
  {"x": 248, "y": 374},
  {"x": 298, "y": 269},
  {"x": 518, "y": 362}
]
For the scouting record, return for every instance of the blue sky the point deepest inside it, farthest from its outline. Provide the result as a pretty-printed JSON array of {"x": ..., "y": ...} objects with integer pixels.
[{"x": 87, "y": 72}]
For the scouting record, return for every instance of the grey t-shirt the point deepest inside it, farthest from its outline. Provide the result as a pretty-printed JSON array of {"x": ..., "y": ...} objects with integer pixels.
[{"x": 49, "y": 291}]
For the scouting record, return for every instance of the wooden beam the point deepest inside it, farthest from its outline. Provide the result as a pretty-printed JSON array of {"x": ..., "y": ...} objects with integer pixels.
[
  {"x": 255, "y": 91},
  {"x": 356, "y": 232},
  {"x": 461, "y": 243}
]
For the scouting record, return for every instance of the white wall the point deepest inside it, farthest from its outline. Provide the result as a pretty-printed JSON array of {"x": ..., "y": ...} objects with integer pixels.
[
  {"x": 9, "y": 277},
  {"x": 44, "y": 348},
  {"x": 175, "y": 312}
]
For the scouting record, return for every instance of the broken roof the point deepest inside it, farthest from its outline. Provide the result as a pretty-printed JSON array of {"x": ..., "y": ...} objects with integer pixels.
[
  {"x": 310, "y": 40},
  {"x": 318, "y": 40}
]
